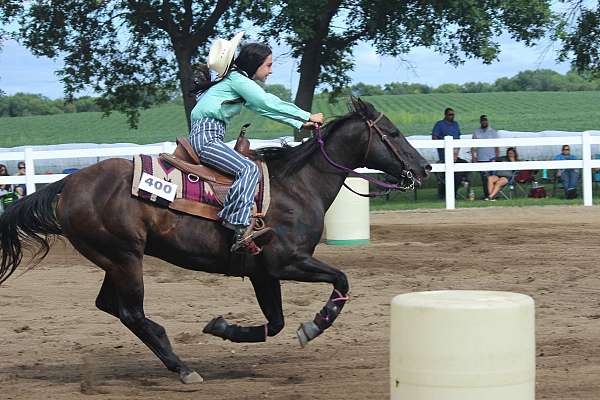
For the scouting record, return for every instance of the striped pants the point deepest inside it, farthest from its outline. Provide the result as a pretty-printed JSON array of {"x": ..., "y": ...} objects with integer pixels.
[{"x": 206, "y": 137}]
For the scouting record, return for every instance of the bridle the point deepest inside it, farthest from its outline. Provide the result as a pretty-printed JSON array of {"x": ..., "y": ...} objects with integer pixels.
[{"x": 373, "y": 127}]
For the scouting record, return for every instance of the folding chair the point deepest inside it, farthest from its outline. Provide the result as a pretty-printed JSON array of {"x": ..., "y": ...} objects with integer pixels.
[
  {"x": 462, "y": 182},
  {"x": 7, "y": 199},
  {"x": 508, "y": 189},
  {"x": 459, "y": 184},
  {"x": 523, "y": 181}
]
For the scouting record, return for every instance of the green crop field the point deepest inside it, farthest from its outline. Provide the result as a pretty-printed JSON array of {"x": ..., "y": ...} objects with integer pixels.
[{"x": 413, "y": 114}]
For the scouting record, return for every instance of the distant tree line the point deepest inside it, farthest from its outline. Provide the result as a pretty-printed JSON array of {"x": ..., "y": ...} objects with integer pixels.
[
  {"x": 24, "y": 104},
  {"x": 544, "y": 80},
  {"x": 541, "y": 80}
]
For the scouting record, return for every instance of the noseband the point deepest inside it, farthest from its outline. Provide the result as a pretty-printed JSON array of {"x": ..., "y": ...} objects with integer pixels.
[{"x": 406, "y": 173}]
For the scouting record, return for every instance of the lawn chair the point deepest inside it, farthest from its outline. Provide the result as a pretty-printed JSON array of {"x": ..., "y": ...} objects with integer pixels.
[
  {"x": 522, "y": 182},
  {"x": 462, "y": 182},
  {"x": 7, "y": 199}
]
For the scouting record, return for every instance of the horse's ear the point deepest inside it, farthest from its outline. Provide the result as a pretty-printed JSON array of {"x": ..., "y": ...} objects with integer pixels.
[
  {"x": 355, "y": 103},
  {"x": 359, "y": 106}
]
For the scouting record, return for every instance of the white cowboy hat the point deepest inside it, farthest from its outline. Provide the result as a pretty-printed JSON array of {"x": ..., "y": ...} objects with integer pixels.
[{"x": 222, "y": 52}]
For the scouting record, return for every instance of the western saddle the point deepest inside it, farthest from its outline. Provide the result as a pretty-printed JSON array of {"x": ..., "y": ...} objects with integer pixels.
[{"x": 185, "y": 159}]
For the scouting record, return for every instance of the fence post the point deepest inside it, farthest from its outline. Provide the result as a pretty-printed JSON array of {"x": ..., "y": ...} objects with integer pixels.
[
  {"x": 586, "y": 157},
  {"x": 449, "y": 174},
  {"x": 29, "y": 170}
]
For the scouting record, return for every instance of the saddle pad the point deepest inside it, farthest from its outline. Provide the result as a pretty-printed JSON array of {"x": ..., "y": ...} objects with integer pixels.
[{"x": 194, "y": 196}]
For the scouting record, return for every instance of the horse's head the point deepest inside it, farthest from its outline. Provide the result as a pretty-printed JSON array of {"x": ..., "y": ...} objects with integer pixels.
[{"x": 387, "y": 149}]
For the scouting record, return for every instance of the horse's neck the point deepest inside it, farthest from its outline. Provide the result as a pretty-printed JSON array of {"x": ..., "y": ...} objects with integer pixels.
[{"x": 324, "y": 181}]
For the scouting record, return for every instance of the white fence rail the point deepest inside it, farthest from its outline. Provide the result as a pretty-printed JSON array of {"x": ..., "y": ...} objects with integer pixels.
[
  {"x": 449, "y": 167},
  {"x": 29, "y": 156}
]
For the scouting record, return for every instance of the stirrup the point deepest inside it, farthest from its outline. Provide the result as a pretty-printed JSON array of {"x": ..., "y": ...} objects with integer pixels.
[{"x": 244, "y": 240}]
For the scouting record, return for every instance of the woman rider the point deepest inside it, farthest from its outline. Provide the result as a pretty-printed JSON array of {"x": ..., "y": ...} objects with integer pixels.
[{"x": 222, "y": 99}]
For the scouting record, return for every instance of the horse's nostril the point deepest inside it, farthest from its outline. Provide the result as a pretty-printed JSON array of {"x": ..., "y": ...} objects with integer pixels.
[{"x": 428, "y": 168}]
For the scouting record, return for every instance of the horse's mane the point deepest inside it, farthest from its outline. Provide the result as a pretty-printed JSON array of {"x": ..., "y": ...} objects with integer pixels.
[{"x": 292, "y": 158}]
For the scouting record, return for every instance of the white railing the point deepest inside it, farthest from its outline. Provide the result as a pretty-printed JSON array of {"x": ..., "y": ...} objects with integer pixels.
[
  {"x": 586, "y": 163},
  {"x": 449, "y": 167},
  {"x": 29, "y": 156},
  {"x": 448, "y": 144}
]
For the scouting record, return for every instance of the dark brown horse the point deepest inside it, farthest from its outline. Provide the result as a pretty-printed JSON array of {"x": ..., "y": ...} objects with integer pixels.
[{"x": 95, "y": 211}]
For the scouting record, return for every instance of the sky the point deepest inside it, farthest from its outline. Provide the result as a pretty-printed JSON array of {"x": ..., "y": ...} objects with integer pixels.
[{"x": 20, "y": 71}]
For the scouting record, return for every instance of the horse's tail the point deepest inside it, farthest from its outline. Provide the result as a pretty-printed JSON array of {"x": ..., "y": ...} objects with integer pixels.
[{"x": 30, "y": 222}]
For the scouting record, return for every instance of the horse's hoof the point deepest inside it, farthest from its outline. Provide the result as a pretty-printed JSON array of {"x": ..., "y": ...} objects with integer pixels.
[
  {"x": 217, "y": 326},
  {"x": 307, "y": 332},
  {"x": 192, "y": 377}
]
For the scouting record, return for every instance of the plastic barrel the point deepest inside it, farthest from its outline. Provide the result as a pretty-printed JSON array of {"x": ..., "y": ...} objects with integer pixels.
[
  {"x": 347, "y": 220},
  {"x": 462, "y": 345}
]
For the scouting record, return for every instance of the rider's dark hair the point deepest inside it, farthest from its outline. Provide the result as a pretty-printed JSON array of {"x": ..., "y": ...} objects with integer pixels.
[
  {"x": 202, "y": 81},
  {"x": 251, "y": 56}
]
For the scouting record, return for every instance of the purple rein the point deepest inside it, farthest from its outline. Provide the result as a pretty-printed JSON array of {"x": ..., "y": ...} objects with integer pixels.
[{"x": 384, "y": 185}]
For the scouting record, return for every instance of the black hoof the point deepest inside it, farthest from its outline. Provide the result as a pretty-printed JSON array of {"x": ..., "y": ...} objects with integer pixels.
[{"x": 217, "y": 326}]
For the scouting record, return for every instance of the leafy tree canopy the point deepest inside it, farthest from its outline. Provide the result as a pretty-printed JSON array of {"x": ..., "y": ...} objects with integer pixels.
[
  {"x": 322, "y": 33},
  {"x": 580, "y": 33},
  {"x": 134, "y": 53}
]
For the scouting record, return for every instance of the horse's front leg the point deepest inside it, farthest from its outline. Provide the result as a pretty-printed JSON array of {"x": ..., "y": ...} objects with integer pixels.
[
  {"x": 268, "y": 294},
  {"x": 313, "y": 270}
]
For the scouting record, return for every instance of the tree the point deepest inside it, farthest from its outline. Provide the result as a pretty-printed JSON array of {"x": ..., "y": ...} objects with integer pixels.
[
  {"x": 448, "y": 88},
  {"x": 134, "y": 53},
  {"x": 477, "y": 87},
  {"x": 363, "y": 89},
  {"x": 322, "y": 33},
  {"x": 280, "y": 91},
  {"x": 580, "y": 33},
  {"x": 406, "y": 88}
]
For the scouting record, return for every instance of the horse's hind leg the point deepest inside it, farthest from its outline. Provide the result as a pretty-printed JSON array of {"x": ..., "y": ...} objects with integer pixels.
[
  {"x": 122, "y": 295},
  {"x": 268, "y": 294}
]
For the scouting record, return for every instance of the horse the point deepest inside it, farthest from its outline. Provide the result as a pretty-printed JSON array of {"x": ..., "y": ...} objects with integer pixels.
[{"x": 95, "y": 211}]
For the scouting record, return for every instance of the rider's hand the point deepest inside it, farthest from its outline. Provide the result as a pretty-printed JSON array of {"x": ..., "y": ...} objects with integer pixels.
[
  {"x": 309, "y": 125},
  {"x": 318, "y": 118}
]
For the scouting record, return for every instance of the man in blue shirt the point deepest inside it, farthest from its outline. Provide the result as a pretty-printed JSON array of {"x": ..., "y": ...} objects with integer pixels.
[
  {"x": 446, "y": 127},
  {"x": 569, "y": 177}
]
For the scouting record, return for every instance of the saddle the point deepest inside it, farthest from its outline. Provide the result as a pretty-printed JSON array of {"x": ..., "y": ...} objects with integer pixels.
[
  {"x": 185, "y": 159},
  {"x": 201, "y": 189}
]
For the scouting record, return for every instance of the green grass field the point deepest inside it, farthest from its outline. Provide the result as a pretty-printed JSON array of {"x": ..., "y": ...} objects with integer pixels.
[
  {"x": 413, "y": 114},
  {"x": 427, "y": 198}
]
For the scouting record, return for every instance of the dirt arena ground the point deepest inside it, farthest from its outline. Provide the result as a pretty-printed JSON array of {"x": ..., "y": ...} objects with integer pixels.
[{"x": 55, "y": 345}]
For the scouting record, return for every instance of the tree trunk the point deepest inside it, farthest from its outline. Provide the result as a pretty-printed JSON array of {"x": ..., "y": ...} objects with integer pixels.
[
  {"x": 310, "y": 65},
  {"x": 186, "y": 79}
]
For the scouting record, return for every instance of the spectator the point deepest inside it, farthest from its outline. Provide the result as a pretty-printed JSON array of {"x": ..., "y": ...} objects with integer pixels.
[
  {"x": 484, "y": 154},
  {"x": 498, "y": 179},
  {"x": 446, "y": 127},
  {"x": 4, "y": 172},
  {"x": 20, "y": 189},
  {"x": 569, "y": 177}
]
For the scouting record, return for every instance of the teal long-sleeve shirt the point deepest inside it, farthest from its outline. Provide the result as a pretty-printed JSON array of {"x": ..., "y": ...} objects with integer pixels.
[{"x": 212, "y": 103}]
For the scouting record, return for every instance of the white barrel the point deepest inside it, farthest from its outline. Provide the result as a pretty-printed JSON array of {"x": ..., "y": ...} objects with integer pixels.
[
  {"x": 347, "y": 220},
  {"x": 462, "y": 345}
]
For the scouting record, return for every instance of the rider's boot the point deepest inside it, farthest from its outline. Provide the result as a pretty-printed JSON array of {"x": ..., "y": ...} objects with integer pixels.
[{"x": 244, "y": 236}]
